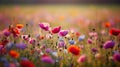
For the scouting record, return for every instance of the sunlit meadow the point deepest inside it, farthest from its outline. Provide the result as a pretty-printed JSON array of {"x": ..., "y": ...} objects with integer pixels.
[{"x": 60, "y": 36}]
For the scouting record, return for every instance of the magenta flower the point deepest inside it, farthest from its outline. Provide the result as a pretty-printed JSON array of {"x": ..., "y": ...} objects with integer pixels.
[
  {"x": 109, "y": 44},
  {"x": 56, "y": 30},
  {"x": 44, "y": 26},
  {"x": 6, "y": 32},
  {"x": 47, "y": 59},
  {"x": 89, "y": 41},
  {"x": 63, "y": 33},
  {"x": 32, "y": 41},
  {"x": 82, "y": 59},
  {"x": 116, "y": 57}
]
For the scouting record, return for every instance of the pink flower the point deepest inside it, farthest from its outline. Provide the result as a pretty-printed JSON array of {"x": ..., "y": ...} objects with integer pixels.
[
  {"x": 63, "y": 33},
  {"x": 82, "y": 58},
  {"x": 56, "y": 29},
  {"x": 44, "y": 26},
  {"x": 12, "y": 65},
  {"x": 116, "y": 57},
  {"x": 47, "y": 59},
  {"x": 89, "y": 41}
]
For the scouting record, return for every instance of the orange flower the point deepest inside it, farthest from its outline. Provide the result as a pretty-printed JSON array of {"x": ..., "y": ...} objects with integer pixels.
[
  {"x": 19, "y": 26},
  {"x": 14, "y": 54},
  {"x": 107, "y": 24},
  {"x": 41, "y": 37},
  {"x": 74, "y": 49}
]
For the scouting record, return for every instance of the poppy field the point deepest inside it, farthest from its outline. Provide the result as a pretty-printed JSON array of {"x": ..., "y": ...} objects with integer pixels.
[{"x": 60, "y": 36}]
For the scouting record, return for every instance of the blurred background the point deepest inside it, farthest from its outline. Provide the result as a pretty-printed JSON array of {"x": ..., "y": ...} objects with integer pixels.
[{"x": 67, "y": 13}]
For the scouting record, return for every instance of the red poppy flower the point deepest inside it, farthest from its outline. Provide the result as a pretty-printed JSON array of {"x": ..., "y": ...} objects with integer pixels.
[
  {"x": 74, "y": 49},
  {"x": 26, "y": 63},
  {"x": 114, "y": 31},
  {"x": 107, "y": 24},
  {"x": 14, "y": 54},
  {"x": 77, "y": 34}
]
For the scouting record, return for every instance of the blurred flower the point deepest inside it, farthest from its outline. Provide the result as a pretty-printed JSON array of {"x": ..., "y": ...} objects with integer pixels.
[
  {"x": 12, "y": 65},
  {"x": 21, "y": 45},
  {"x": 49, "y": 36},
  {"x": 103, "y": 32},
  {"x": 61, "y": 44},
  {"x": 98, "y": 56},
  {"x": 3, "y": 51},
  {"x": 9, "y": 46},
  {"x": 6, "y": 32},
  {"x": 5, "y": 62},
  {"x": 116, "y": 57},
  {"x": 25, "y": 37},
  {"x": 109, "y": 44},
  {"x": 114, "y": 31},
  {"x": 107, "y": 24},
  {"x": 82, "y": 37},
  {"x": 94, "y": 50},
  {"x": 93, "y": 34},
  {"x": 19, "y": 26},
  {"x": 89, "y": 41},
  {"x": 32, "y": 41},
  {"x": 56, "y": 29},
  {"x": 23, "y": 58},
  {"x": 48, "y": 50},
  {"x": 44, "y": 26},
  {"x": 1, "y": 46},
  {"x": 82, "y": 46},
  {"x": 74, "y": 50},
  {"x": 71, "y": 42},
  {"x": 47, "y": 59},
  {"x": 63, "y": 33},
  {"x": 14, "y": 31},
  {"x": 77, "y": 34},
  {"x": 26, "y": 63},
  {"x": 14, "y": 54},
  {"x": 82, "y": 59},
  {"x": 4, "y": 42}
]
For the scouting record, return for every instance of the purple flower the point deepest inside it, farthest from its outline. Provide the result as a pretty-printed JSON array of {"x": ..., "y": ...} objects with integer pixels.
[
  {"x": 61, "y": 44},
  {"x": 48, "y": 50},
  {"x": 5, "y": 61},
  {"x": 71, "y": 42},
  {"x": 9, "y": 46},
  {"x": 23, "y": 58},
  {"x": 6, "y": 32},
  {"x": 109, "y": 44},
  {"x": 94, "y": 50},
  {"x": 63, "y": 33},
  {"x": 44, "y": 26},
  {"x": 47, "y": 59},
  {"x": 116, "y": 57},
  {"x": 21, "y": 45}
]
